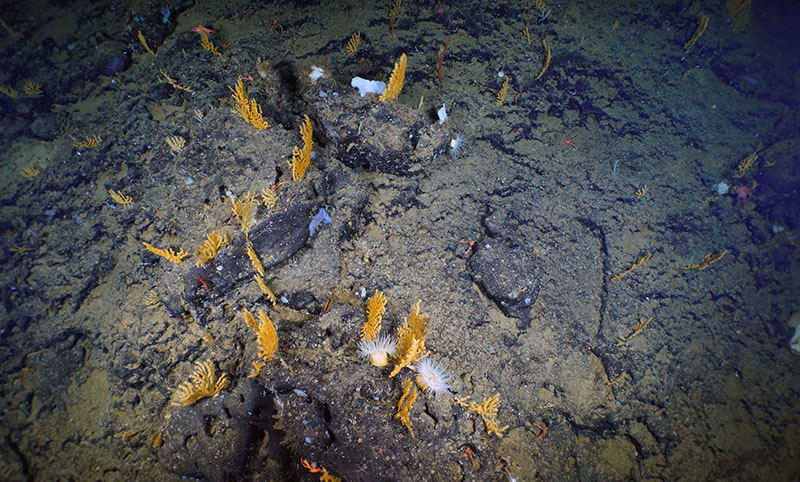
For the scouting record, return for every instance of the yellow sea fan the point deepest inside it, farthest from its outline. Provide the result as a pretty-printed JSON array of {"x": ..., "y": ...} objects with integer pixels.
[
  {"x": 30, "y": 172},
  {"x": 328, "y": 477},
  {"x": 745, "y": 165},
  {"x": 151, "y": 300},
  {"x": 265, "y": 289},
  {"x": 501, "y": 95},
  {"x": 206, "y": 43},
  {"x": 143, "y": 41},
  {"x": 395, "y": 84},
  {"x": 8, "y": 91},
  {"x": 301, "y": 158},
  {"x": 701, "y": 28},
  {"x": 202, "y": 383},
  {"x": 409, "y": 355},
  {"x": 411, "y": 340},
  {"x": 266, "y": 336},
  {"x": 299, "y": 163},
  {"x": 488, "y": 412},
  {"x": 376, "y": 307},
  {"x": 248, "y": 109},
  {"x": 32, "y": 88},
  {"x": 707, "y": 261},
  {"x": 353, "y": 44},
  {"x": 405, "y": 404},
  {"x": 240, "y": 98},
  {"x": 88, "y": 141},
  {"x": 418, "y": 324},
  {"x": 255, "y": 117},
  {"x": 170, "y": 254},
  {"x": 210, "y": 247},
  {"x": 250, "y": 319},
  {"x": 548, "y": 55},
  {"x": 739, "y": 10},
  {"x": 176, "y": 85},
  {"x": 269, "y": 197},
  {"x": 120, "y": 198},
  {"x": 245, "y": 211},
  {"x": 251, "y": 253},
  {"x": 256, "y": 371},
  {"x": 175, "y": 143}
]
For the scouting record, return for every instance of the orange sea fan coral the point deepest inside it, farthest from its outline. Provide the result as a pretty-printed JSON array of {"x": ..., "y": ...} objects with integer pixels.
[
  {"x": 301, "y": 158},
  {"x": 170, "y": 254},
  {"x": 376, "y": 307},
  {"x": 265, "y": 289},
  {"x": 202, "y": 383},
  {"x": 206, "y": 43},
  {"x": 488, "y": 412},
  {"x": 395, "y": 84},
  {"x": 405, "y": 404},
  {"x": 248, "y": 109},
  {"x": 411, "y": 340},
  {"x": 266, "y": 335},
  {"x": 245, "y": 211},
  {"x": 210, "y": 247}
]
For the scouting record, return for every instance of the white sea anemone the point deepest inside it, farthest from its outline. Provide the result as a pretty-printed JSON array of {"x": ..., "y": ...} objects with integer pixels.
[
  {"x": 379, "y": 350},
  {"x": 456, "y": 144},
  {"x": 432, "y": 377}
]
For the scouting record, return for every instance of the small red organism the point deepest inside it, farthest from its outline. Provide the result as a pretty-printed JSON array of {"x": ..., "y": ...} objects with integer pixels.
[{"x": 201, "y": 28}]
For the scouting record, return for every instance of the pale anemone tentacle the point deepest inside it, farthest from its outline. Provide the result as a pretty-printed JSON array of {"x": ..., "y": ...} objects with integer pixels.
[{"x": 379, "y": 350}]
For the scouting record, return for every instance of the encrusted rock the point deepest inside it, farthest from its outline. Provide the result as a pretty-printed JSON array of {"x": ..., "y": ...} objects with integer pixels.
[{"x": 378, "y": 136}]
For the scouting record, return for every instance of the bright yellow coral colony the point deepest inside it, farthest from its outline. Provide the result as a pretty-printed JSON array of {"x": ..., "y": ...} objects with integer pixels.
[
  {"x": 405, "y": 404},
  {"x": 120, "y": 198},
  {"x": 143, "y": 41},
  {"x": 640, "y": 326},
  {"x": 376, "y": 307},
  {"x": 269, "y": 197},
  {"x": 251, "y": 253},
  {"x": 745, "y": 165},
  {"x": 202, "y": 383},
  {"x": 207, "y": 44},
  {"x": 87, "y": 142},
  {"x": 501, "y": 95},
  {"x": 707, "y": 261},
  {"x": 548, "y": 55},
  {"x": 169, "y": 254},
  {"x": 411, "y": 340},
  {"x": 245, "y": 212},
  {"x": 635, "y": 265},
  {"x": 247, "y": 108},
  {"x": 265, "y": 289},
  {"x": 488, "y": 412},
  {"x": 301, "y": 158},
  {"x": 354, "y": 43},
  {"x": 374, "y": 347},
  {"x": 395, "y": 84},
  {"x": 210, "y": 247},
  {"x": 266, "y": 336}
]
